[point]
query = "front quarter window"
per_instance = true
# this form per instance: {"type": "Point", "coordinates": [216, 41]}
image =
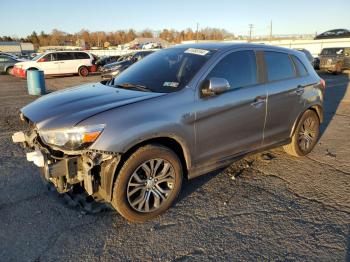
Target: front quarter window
{"type": "Point", "coordinates": [238, 68]}
{"type": "Point", "coordinates": [166, 70]}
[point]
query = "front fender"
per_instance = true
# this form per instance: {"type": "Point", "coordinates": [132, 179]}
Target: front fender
{"type": "Point", "coordinates": [130, 125]}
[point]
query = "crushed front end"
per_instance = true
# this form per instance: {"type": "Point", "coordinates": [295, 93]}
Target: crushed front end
{"type": "Point", "coordinates": [68, 163]}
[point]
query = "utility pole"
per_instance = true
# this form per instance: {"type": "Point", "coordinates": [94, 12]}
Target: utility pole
{"type": "Point", "coordinates": [271, 31]}
{"type": "Point", "coordinates": [197, 33]}
{"type": "Point", "coordinates": [250, 31]}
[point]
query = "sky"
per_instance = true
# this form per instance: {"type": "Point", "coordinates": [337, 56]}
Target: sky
{"type": "Point", "coordinates": [21, 17]}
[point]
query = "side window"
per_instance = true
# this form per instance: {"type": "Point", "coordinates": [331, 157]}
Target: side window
{"type": "Point", "coordinates": [81, 55]}
{"type": "Point", "coordinates": [65, 56]}
{"type": "Point", "coordinates": [49, 57]}
{"type": "Point", "coordinates": [299, 66]}
{"type": "Point", "coordinates": [278, 66]}
{"type": "Point", "coordinates": [238, 68]}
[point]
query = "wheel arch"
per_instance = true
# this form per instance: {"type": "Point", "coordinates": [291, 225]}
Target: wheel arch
{"type": "Point", "coordinates": [9, 66]}
{"type": "Point", "coordinates": [174, 144]}
{"type": "Point", "coordinates": [80, 66]}
{"type": "Point", "coordinates": [318, 109]}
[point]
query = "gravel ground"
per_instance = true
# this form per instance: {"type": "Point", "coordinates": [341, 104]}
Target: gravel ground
{"type": "Point", "coordinates": [268, 206]}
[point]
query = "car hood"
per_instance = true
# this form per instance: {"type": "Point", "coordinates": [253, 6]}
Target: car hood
{"type": "Point", "coordinates": [68, 107]}
{"type": "Point", "coordinates": [24, 63]}
{"type": "Point", "coordinates": [121, 63]}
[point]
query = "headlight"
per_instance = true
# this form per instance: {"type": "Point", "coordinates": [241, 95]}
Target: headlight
{"type": "Point", "coordinates": [72, 139]}
{"type": "Point", "coordinates": [114, 73]}
{"type": "Point", "coordinates": [115, 67]}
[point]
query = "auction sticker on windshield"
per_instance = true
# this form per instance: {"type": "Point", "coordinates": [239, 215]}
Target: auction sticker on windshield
{"type": "Point", "coordinates": [196, 51]}
{"type": "Point", "coordinates": [171, 84]}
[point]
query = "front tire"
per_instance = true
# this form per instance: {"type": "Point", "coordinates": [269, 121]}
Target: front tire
{"type": "Point", "coordinates": [305, 135]}
{"type": "Point", "coordinates": [9, 70]}
{"type": "Point", "coordinates": [83, 71]}
{"type": "Point", "coordinates": [148, 183]}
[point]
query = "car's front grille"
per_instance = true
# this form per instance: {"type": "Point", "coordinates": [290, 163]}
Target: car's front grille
{"type": "Point", "coordinates": [326, 62]}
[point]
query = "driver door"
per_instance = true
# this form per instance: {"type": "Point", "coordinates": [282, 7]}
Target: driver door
{"type": "Point", "coordinates": [49, 64]}
{"type": "Point", "coordinates": [232, 122]}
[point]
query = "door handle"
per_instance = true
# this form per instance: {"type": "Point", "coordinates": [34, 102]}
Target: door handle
{"type": "Point", "coordinates": [258, 101]}
{"type": "Point", "coordinates": [298, 91]}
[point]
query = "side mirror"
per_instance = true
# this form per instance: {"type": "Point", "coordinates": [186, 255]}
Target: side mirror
{"type": "Point", "coordinates": [215, 86]}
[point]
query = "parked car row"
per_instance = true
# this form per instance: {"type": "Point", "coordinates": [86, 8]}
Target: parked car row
{"type": "Point", "coordinates": [146, 46]}
{"type": "Point", "coordinates": [113, 69]}
{"type": "Point", "coordinates": [104, 60]}
{"type": "Point", "coordinates": [69, 62]}
{"type": "Point", "coordinates": [333, 60]}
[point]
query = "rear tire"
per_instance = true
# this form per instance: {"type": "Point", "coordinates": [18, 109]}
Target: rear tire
{"type": "Point", "coordinates": [305, 135]}
{"type": "Point", "coordinates": [83, 71]}
{"type": "Point", "coordinates": [147, 184]}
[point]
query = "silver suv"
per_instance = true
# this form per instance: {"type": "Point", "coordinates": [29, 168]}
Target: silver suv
{"type": "Point", "coordinates": [179, 113]}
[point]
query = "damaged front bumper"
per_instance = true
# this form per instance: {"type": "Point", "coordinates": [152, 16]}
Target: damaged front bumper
{"type": "Point", "coordinates": [92, 170]}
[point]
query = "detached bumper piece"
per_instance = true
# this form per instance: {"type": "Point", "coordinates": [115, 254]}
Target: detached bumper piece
{"type": "Point", "coordinates": [19, 72]}
{"type": "Point", "coordinates": [92, 171]}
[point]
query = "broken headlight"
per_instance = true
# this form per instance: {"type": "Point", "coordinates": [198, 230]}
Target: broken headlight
{"type": "Point", "coordinates": [73, 138]}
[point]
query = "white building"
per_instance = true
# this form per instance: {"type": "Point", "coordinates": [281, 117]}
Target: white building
{"type": "Point", "coordinates": [16, 47]}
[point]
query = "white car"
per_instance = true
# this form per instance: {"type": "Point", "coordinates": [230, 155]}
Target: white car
{"type": "Point", "coordinates": [58, 63]}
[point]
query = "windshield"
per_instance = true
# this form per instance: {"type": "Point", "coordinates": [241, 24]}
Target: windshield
{"type": "Point", "coordinates": [124, 57]}
{"type": "Point", "coordinates": [165, 71]}
{"type": "Point", "coordinates": [332, 51]}
{"type": "Point", "coordinates": [37, 57]}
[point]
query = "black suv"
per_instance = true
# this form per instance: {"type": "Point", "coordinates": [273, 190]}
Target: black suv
{"type": "Point", "coordinates": [335, 59]}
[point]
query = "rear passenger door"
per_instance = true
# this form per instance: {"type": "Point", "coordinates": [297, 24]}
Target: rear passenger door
{"type": "Point", "coordinates": [285, 95]}
{"type": "Point", "coordinates": [82, 58]}
{"type": "Point", "coordinates": [232, 122]}
{"type": "Point", "coordinates": [66, 62]}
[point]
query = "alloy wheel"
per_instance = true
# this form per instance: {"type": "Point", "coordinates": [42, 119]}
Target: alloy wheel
{"type": "Point", "coordinates": [150, 185]}
{"type": "Point", "coordinates": [307, 134]}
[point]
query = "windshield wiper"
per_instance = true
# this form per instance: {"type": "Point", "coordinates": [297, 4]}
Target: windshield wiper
{"type": "Point", "coordinates": [134, 86]}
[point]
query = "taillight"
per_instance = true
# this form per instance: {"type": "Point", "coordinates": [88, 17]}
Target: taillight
{"type": "Point", "coordinates": [323, 83]}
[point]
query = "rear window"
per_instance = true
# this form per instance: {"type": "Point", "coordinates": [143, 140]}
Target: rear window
{"type": "Point", "coordinates": [299, 66]}
{"type": "Point", "coordinates": [81, 55]}
{"type": "Point", "coordinates": [65, 56]}
{"type": "Point", "coordinates": [278, 66]}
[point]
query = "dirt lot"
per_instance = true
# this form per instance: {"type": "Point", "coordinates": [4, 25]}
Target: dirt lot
{"type": "Point", "coordinates": [268, 206]}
